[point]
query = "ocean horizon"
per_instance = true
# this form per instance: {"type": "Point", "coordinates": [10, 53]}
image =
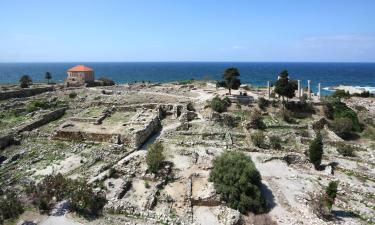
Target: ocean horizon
{"type": "Point", "coordinates": [329, 74]}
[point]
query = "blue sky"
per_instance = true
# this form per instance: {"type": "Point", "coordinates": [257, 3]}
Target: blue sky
{"type": "Point", "coordinates": [187, 30]}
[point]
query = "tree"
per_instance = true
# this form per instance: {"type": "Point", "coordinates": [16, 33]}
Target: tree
{"type": "Point", "coordinates": [342, 127]}
{"type": "Point", "coordinates": [231, 79]}
{"type": "Point", "coordinates": [25, 81]}
{"type": "Point", "coordinates": [237, 180]}
{"type": "Point", "coordinates": [316, 151]}
{"type": "Point", "coordinates": [331, 192]}
{"type": "Point", "coordinates": [155, 156]}
{"type": "Point", "coordinates": [256, 120]}
{"type": "Point", "coordinates": [285, 87]}
{"type": "Point", "coordinates": [258, 139]}
{"type": "Point", "coordinates": [48, 76]}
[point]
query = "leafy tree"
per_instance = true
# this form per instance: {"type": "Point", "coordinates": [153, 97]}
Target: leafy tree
{"type": "Point", "coordinates": [237, 180]}
{"type": "Point", "coordinates": [231, 79]}
{"type": "Point", "coordinates": [155, 156]}
{"type": "Point", "coordinates": [316, 151]}
{"type": "Point", "coordinates": [331, 192]}
{"type": "Point", "coordinates": [341, 110]}
{"type": "Point", "coordinates": [285, 87]}
{"type": "Point", "coordinates": [48, 76]}
{"type": "Point", "coordinates": [25, 81]}
{"type": "Point", "coordinates": [219, 105]}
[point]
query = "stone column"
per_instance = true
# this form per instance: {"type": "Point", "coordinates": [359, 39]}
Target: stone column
{"type": "Point", "coordinates": [299, 89]}
{"type": "Point", "coordinates": [308, 89]}
{"type": "Point", "coordinates": [269, 89]}
{"type": "Point", "coordinates": [319, 91]}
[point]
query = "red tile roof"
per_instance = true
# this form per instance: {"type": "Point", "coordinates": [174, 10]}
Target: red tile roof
{"type": "Point", "coordinates": [80, 68]}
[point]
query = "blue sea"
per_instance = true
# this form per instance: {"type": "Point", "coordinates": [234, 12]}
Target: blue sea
{"type": "Point", "coordinates": [255, 73]}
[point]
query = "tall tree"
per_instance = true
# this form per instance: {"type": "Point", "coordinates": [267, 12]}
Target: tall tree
{"type": "Point", "coordinates": [231, 79]}
{"type": "Point", "coordinates": [48, 76]}
{"type": "Point", "coordinates": [25, 81]}
{"type": "Point", "coordinates": [285, 87]}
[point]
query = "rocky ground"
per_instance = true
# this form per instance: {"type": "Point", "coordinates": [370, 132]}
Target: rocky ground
{"type": "Point", "coordinates": [192, 135]}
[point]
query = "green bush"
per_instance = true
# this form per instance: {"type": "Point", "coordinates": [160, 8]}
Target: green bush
{"type": "Point", "coordinates": [331, 192]}
{"type": "Point", "coordinates": [10, 206]}
{"type": "Point", "coordinates": [237, 180]}
{"type": "Point", "coordinates": [342, 127]}
{"type": "Point", "coordinates": [340, 110]}
{"type": "Point", "coordinates": [81, 195]}
{"type": "Point", "coordinates": [72, 95]}
{"type": "Point", "coordinates": [286, 115]}
{"type": "Point", "coordinates": [275, 142]}
{"type": "Point", "coordinates": [316, 151]}
{"type": "Point", "coordinates": [340, 94]}
{"type": "Point", "coordinates": [263, 103]}
{"type": "Point", "coordinates": [256, 121]}
{"type": "Point", "coordinates": [258, 139]}
{"type": "Point", "coordinates": [219, 105]}
{"type": "Point", "coordinates": [155, 157]}
{"type": "Point", "coordinates": [346, 150]}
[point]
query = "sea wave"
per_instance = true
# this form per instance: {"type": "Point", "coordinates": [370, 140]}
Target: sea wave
{"type": "Point", "coordinates": [371, 89]}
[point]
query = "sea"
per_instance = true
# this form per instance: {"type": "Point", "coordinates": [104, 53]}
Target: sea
{"type": "Point", "coordinates": [253, 73]}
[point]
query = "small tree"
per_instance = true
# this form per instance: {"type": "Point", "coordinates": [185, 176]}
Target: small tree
{"type": "Point", "coordinates": [285, 87]}
{"type": "Point", "coordinates": [342, 127]}
{"type": "Point", "coordinates": [316, 151]}
{"type": "Point", "coordinates": [263, 103]}
{"type": "Point", "coordinates": [275, 142]}
{"type": "Point", "coordinates": [155, 156]}
{"type": "Point", "coordinates": [219, 105]}
{"type": "Point", "coordinates": [25, 81]}
{"type": "Point", "coordinates": [48, 76]}
{"type": "Point", "coordinates": [237, 180]}
{"type": "Point", "coordinates": [256, 120]}
{"type": "Point", "coordinates": [231, 79]}
{"type": "Point", "coordinates": [331, 192]}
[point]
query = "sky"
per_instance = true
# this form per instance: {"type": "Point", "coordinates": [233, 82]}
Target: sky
{"type": "Point", "coordinates": [187, 30]}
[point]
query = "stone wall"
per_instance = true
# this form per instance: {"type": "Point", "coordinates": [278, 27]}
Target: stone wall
{"type": "Point", "coordinates": [44, 119]}
{"type": "Point", "coordinates": [141, 135]}
{"type": "Point", "coordinates": [24, 92]}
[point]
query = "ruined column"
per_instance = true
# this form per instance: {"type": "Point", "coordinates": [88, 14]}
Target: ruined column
{"type": "Point", "coordinates": [319, 91]}
{"type": "Point", "coordinates": [269, 89]}
{"type": "Point", "coordinates": [308, 89]}
{"type": "Point", "coordinates": [299, 89]}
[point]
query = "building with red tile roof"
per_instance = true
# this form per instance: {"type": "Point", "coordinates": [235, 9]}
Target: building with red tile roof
{"type": "Point", "coordinates": [80, 75]}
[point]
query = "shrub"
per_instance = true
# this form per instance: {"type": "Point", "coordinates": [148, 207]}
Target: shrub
{"type": "Point", "coordinates": [369, 133]}
{"type": "Point", "coordinates": [73, 95]}
{"type": "Point", "coordinates": [81, 195]}
{"type": "Point", "coordinates": [342, 127]}
{"type": "Point", "coordinates": [346, 150]}
{"type": "Point", "coordinates": [340, 110]}
{"type": "Point", "coordinates": [106, 81]}
{"type": "Point", "coordinates": [341, 94]}
{"type": "Point", "coordinates": [219, 105]}
{"type": "Point", "coordinates": [275, 142]}
{"type": "Point", "coordinates": [365, 94]}
{"type": "Point", "coordinates": [331, 192]}
{"type": "Point", "coordinates": [184, 82]}
{"type": "Point", "coordinates": [258, 139]}
{"type": "Point", "coordinates": [316, 151]}
{"type": "Point", "coordinates": [302, 107]}
{"type": "Point", "coordinates": [25, 81]}
{"type": "Point", "coordinates": [263, 103]}
{"type": "Point", "coordinates": [155, 157]}
{"type": "Point", "coordinates": [10, 206]}
{"type": "Point", "coordinates": [256, 121]}
{"type": "Point", "coordinates": [237, 180]}
{"type": "Point", "coordinates": [35, 105]}
{"type": "Point", "coordinates": [286, 115]}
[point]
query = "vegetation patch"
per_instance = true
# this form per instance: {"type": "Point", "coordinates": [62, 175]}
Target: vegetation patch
{"type": "Point", "coordinates": [237, 180]}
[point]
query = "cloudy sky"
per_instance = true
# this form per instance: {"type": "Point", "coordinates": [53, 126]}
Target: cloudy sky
{"type": "Point", "coordinates": [191, 30]}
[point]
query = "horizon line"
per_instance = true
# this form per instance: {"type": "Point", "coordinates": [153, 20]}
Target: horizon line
{"type": "Point", "coordinates": [187, 62]}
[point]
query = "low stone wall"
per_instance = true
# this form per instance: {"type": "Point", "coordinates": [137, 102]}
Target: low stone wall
{"type": "Point", "coordinates": [85, 136]}
{"type": "Point", "coordinates": [24, 92]}
{"type": "Point", "coordinates": [46, 118]}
